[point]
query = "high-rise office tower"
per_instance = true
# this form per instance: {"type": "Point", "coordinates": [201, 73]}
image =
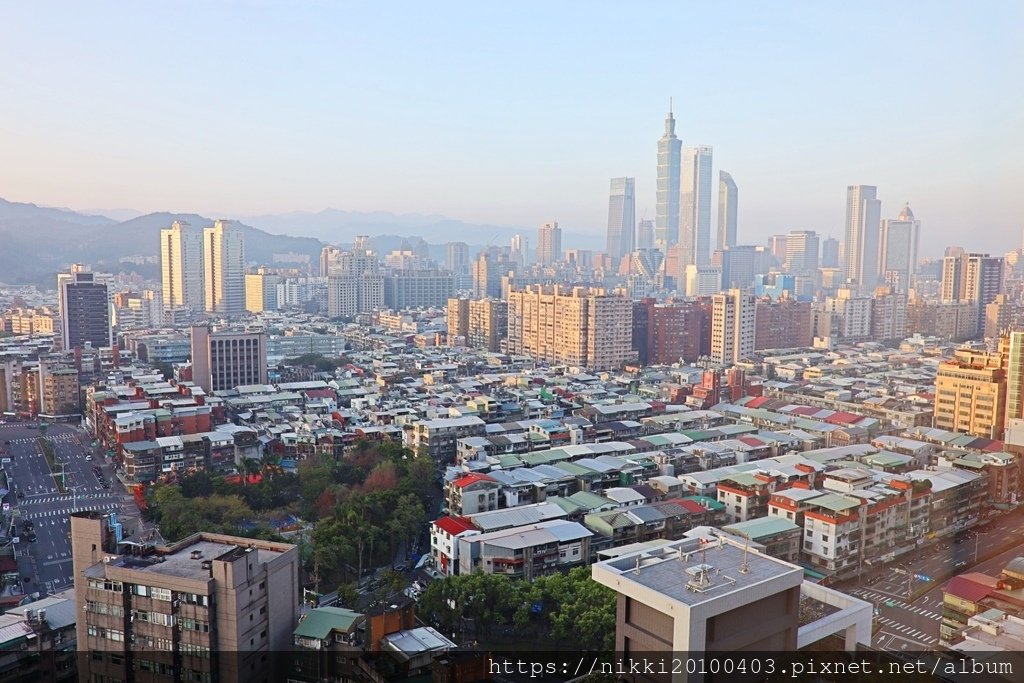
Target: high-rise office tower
{"type": "Point", "coordinates": [520, 252]}
{"type": "Point", "coordinates": [897, 254]}
{"type": "Point", "coordinates": [645, 234]}
{"type": "Point", "coordinates": [802, 251]}
{"type": "Point", "coordinates": [621, 218]}
{"type": "Point", "coordinates": [739, 264]}
{"type": "Point", "coordinates": [666, 217]}
{"type": "Point", "coordinates": [728, 201]}
{"type": "Point", "coordinates": [863, 215]}
{"type": "Point", "coordinates": [181, 266]}
{"type": "Point", "coordinates": [83, 298]}
{"type": "Point", "coordinates": [695, 204]}
{"type": "Point", "coordinates": [829, 253]}
{"type": "Point", "coordinates": [224, 261]}
{"type": "Point", "coordinates": [226, 359]}
{"type": "Point", "coordinates": [732, 326]}
{"type": "Point", "coordinates": [549, 244]}
{"type": "Point", "coordinates": [778, 249]}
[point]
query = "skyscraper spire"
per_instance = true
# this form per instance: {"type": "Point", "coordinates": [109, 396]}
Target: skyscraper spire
{"type": "Point", "coordinates": [670, 122]}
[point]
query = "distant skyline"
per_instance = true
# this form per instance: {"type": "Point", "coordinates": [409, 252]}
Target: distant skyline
{"type": "Point", "coordinates": [518, 114]}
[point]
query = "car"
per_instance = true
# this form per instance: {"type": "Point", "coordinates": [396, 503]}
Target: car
{"type": "Point", "coordinates": [961, 563]}
{"type": "Point", "coordinates": [7, 506]}
{"type": "Point", "coordinates": [88, 458]}
{"type": "Point", "coordinates": [20, 494]}
{"type": "Point", "coordinates": [106, 484]}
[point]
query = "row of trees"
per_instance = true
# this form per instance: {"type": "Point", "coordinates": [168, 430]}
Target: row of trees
{"type": "Point", "coordinates": [562, 609]}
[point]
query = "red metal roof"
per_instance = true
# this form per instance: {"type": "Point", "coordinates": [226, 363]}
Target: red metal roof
{"type": "Point", "coordinates": [757, 402]}
{"type": "Point", "coordinates": [752, 441]}
{"type": "Point", "coordinates": [844, 418]}
{"type": "Point", "coordinates": [973, 586]}
{"type": "Point", "coordinates": [803, 410]}
{"type": "Point", "coordinates": [691, 506]}
{"type": "Point", "coordinates": [454, 525]}
{"type": "Point", "coordinates": [472, 479]}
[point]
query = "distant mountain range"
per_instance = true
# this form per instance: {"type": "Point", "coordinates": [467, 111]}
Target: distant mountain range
{"type": "Point", "coordinates": [36, 242]}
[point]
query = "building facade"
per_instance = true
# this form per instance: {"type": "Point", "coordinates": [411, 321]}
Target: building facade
{"type": "Point", "coordinates": [223, 360]}
{"type": "Point", "coordinates": [181, 267]}
{"type": "Point", "coordinates": [224, 268]}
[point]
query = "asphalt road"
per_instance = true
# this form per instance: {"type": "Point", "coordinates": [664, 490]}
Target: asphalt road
{"type": "Point", "coordinates": [915, 625]}
{"type": "Point", "coordinates": [48, 560]}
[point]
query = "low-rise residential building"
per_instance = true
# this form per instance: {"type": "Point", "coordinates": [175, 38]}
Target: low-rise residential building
{"type": "Point", "coordinates": [527, 551]}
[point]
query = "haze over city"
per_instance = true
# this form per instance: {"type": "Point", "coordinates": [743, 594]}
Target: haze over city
{"type": "Point", "coordinates": [518, 115]}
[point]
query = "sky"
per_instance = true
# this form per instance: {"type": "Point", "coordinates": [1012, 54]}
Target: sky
{"type": "Point", "coordinates": [518, 113]}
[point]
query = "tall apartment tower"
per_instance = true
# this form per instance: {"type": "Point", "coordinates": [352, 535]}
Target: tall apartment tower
{"type": "Point", "coordinates": [732, 326]}
{"type": "Point", "coordinates": [970, 393]}
{"type": "Point", "coordinates": [802, 251]}
{"type": "Point", "coordinates": [972, 278]}
{"type": "Point", "coordinates": [329, 256]}
{"type": "Point", "coordinates": [897, 253]}
{"type": "Point", "coordinates": [728, 202]}
{"type": "Point", "coordinates": [207, 608]}
{"type": "Point", "coordinates": [666, 217]}
{"type": "Point", "coordinates": [457, 315]}
{"type": "Point", "coordinates": [181, 267]}
{"type": "Point", "coordinates": [458, 257]}
{"type": "Point", "coordinates": [83, 298]}
{"type": "Point", "coordinates": [261, 291]}
{"type": "Point", "coordinates": [578, 327]}
{"type": "Point", "coordinates": [488, 324]}
{"type": "Point", "coordinates": [863, 216]}
{"type": "Point", "coordinates": [695, 204]}
{"type": "Point", "coordinates": [1012, 346]}
{"type": "Point", "coordinates": [519, 252]}
{"type": "Point", "coordinates": [227, 359]}
{"type": "Point", "coordinates": [549, 244]}
{"type": "Point", "coordinates": [621, 218]}
{"type": "Point", "coordinates": [224, 261]}
{"type": "Point", "coordinates": [355, 286]}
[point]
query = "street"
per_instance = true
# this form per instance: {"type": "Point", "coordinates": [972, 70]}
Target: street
{"type": "Point", "coordinates": [915, 625]}
{"type": "Point", "coordinates": [36, 498]}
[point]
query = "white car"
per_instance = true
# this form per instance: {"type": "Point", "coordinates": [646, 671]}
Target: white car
{"type": "Point", "coordinates": [89, 458]}
{"type": "Point", "coordinates": [7, 506]}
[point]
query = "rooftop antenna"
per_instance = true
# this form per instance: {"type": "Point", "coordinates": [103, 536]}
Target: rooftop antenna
{"type": "Point", "coordinates": [745, 567]}
{"type": "Point", "coordinates": [637, 569]}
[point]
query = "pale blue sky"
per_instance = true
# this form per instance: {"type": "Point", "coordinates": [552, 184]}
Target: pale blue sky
{"type": "Point", "coordinates": [517, 113]}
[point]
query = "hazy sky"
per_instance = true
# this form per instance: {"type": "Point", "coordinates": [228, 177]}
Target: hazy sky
{"type": "Point", "coordinates": [518, 112]}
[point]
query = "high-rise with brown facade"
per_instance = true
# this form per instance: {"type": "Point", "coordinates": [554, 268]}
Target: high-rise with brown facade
{"type": "Point", "coordinates": [668, 333]}
{"type": "Point", "coordinates": [782, 324]}
{"type": "Point", "coordinates": [207, 608]}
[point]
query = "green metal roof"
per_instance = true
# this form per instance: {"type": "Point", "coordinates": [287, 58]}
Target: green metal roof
{"type": "Point", "coordinates": [836, 502]}
{"type": "Point", "coordinates": [709, 503]}
{"type": "Point", "coordinates": [761, 527]}
{"type": "Point", "coordinates": [321, 621]}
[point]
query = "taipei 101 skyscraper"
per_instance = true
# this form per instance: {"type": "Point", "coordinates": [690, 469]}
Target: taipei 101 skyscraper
{"type": "Point", "coordinates": [666, 218]}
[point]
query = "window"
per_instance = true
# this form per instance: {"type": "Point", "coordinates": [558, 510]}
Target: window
{"type": "Point", "coordinates": [141, 590]}
{"type": "Point", "coordinates": [160, 594]}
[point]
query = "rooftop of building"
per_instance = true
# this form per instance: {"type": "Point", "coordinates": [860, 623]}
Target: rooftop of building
{"type": "Point", "coordinates": [694, 571]}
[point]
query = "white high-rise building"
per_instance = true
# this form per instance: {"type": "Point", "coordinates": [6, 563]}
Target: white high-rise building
{"type": "Point", "coordinates": [728, 201]}
{"type": "Point", "coordinates": [802, 248]}
{"type": "Point", "coordinates": [897, 254]}
{"type": "Point", "coordinates": [695, 205]}
{"type": "Point", "coordinates": [520, 252]}
{"type": "Point", "coordinates": [224, 262]}
{"type": "Point", "coordinates": [863, 217]}
{"type": "Point", "coordinates": [702, 280]}
{"type": "Point", "coordinates": [621, 218]}
{"type": "Point", "coordinates": [732, 326]}
{"type": "Point", "coordinates": [181, 267]}
{"type": "Point", "coordinates": [549, 244]}
{"type": "Point", "coordinates": [666, 217]}
{"type": "Point", "coordinates": [355, 286]}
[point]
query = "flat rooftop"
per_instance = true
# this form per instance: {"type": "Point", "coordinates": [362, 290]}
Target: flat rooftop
{"type": "Point", "coordinates": [181, 563]}
{"type": "Point", "coordinates": [674, 570]}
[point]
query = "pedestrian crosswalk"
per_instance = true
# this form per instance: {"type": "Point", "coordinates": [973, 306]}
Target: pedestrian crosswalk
{"type": "Point", "coordinates": [63, 438]}
{"type": "Point", "coordinates": [64, 512]}
{"type": "Point", "coordinates": [906, 630]}
{"type": "Point", "coordinates": [881, 597]}
{"type": "Point", "coordinates": [39, 499]}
